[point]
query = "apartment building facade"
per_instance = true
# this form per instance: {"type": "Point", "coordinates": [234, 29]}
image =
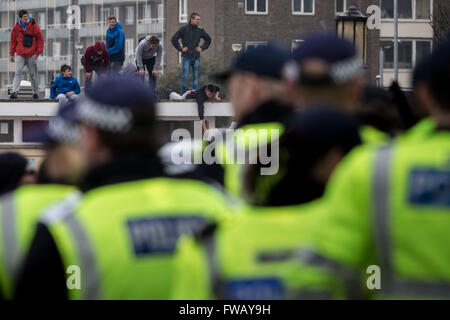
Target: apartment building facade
{"type": "Point", "coordinates": [245, 22]}
{"type": "Point", "coordinates": [255, 22]}
{"type": "Point", "coordinates": [416, 36]}
{"type": "Point", "coordinates": [62, 45]}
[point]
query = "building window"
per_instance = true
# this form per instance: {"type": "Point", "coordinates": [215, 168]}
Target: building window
{"type": "Point", "coordinates": [57, 17]}
{"type": "Point", "coordinates": [423, 9]}
{"type": "Point", "coordinates": [182, 14]}
{"type": "Point", "coordinates": [56, 49]}
{"type": "Point", "coordinates": [256, 6]}
{"type": "Point", "coordinates": [409, 52]}
{"type": "Point", "coordinates": [303, 6]}
{"type": "Point", "coordinates": [116, 11]}
{"type": "Point", "coordinates": [68, 46]}
{"type": "Point", "coordinates": [42, 83]}
{"type": "Point", "coordinates": [41, 20]}
{"type": "Point", "coordinates": [129, 47]}
{"type": "Point", "coordinates": [82, 14]}
{"type": "Point", "coordinates": [160, 11]}
{"type": "Point", "coordinates": [407, 9]}
{"type": "Point", "coordinates": [104, 14]}
{"type": "Point", "coordinates": [255, 44]}
{"type": "Point", "coordinates": [147, 11]}
{"type": "Point", "coordinates": [6, 130]}
{"type": "Point", "coordinates": [129, 17]}
{"type": "Point", "coordinates": [29, 127]}
{"type": "Point", "coordinates": [341, 6]}
{"type": "Point", "coordinates": [423, 48]}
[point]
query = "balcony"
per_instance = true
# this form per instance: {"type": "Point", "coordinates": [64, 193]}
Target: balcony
{"type": "Point", "coordinates": [41, 64]}
{"type": "Point", "coordinates": [92, 29]}
{"type": "Point", "coordinates": [5, 35]}
{"type": "Point", "coordinates": [4, 5]}
{"type": "Point", "coordinates": [4, 64]}
{"type": "Point", "coordinates": [57, 31]}
{"type": "Point", "coordinates": [90, 2]}
{"type": "Point", "coordinates": [148, 26]}
{"type": "Point", "coordinates": [31, 4]}
{"type": "Point", "coordinates": [55, 63]}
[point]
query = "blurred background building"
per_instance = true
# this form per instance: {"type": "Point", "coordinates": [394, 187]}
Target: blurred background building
{"type": "Point", "coordinates": [242, 23]}
{"type": "Point", "coordinates": [232, 24]}
{"type": "Point", "coordinates": [416, 34]}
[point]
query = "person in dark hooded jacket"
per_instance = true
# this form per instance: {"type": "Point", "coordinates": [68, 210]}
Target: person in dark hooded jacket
{"type": "Point", "coordinates": [14, 172]}
{"type": "Point", "coordinates": [115, 43]}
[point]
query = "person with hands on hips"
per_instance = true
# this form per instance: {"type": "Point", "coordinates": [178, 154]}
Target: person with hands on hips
{"type": "Point", "coordinates": [190, 35]}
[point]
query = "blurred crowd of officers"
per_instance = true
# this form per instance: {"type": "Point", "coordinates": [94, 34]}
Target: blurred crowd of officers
{"type": "Point", "coordinates": [363, 184]}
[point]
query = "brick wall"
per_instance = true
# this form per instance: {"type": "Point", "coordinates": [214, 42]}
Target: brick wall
{"type": "Point", "coordinates": [227, 23]}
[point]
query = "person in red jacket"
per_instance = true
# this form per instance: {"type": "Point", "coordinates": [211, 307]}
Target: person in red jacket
{"type": "Point", "coordinates": [27, 43]}
{"type": "Point", "coordinates": [96, 58]}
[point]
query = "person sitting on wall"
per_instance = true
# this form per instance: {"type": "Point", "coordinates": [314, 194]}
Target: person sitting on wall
{"type": "Point", "coordinates": [208, 93]}
{"type": "Point", "coordinates": [65, 87]}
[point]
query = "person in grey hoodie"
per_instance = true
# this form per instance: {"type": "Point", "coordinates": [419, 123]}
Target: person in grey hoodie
{"type": "Point", "coordinates": [148, 56]}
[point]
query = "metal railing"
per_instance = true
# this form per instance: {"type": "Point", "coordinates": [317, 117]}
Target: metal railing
{"type": "Point", "coordinates": [57, 31]}
{"type": "Point", "coordinates": [4, 64]}
{"type": "Point", "coordinates": [92, 29]}
{"type": "Point", "coordinates": [146, 26]}
{"type": "Point", "coordinates": [5, 34]}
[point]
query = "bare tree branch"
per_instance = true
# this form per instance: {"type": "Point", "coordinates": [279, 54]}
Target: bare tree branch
{"type": "Point", "coordinates": [440, 21]}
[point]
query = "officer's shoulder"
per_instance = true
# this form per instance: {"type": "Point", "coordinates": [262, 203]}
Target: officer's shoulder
{"type": "Point", "coordinates": [61, 210]}
{"type": "Point", "coordinates": [200, 27]}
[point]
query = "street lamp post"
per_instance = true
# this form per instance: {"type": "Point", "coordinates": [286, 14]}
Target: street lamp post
{"type": "Point", "coordinates": [78, 47]}
{"type": "Point", "coordinates": [382, 64]}
{"type": "Point", "coordinates": [295, 44]}
{"type": "Point", "coordinates": [236, 47]}
{"type": "Point", "coordinates": [396, 40]}
{"type": "Point", "coordinates": [352, 26]}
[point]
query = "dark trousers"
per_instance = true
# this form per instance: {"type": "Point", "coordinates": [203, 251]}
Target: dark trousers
{"type": "Point", "coordinates": [88, 83]}
{"type": "Point", "coordinates": [149, 64]}
{"type": "Point", "coordinates": [115, 67]}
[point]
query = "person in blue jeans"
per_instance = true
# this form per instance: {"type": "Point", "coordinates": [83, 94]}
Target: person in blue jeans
{"type": "Point", "coordinates": [190, 35]}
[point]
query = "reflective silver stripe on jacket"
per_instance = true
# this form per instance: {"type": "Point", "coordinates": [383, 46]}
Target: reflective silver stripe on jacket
{"type": "Point", "coordinates": [11, 255]}
{"type": "Point", "coordinates": [64, 212]}
{"type": "Point", "coordinates": [216, 281]}
{"type": "Point", "coordinates": [381, 207]}
{"type": "Point", "coordinates": [351, 278]}
{"type": "Point", "coordinates": [90, 284]}
{"type": "Point", "coordinates": [381, 191]}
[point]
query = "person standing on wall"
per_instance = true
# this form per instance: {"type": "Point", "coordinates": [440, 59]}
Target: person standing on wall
{"type": "Point", "coordinates": [115, 40]}
{"type": "Point", "coordinates": [190, 35]}
{"type": "Point", "coordinates": [27, 42]}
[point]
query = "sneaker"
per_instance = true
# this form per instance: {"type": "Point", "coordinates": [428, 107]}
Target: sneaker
{"type": "Point", "coordinates": [168, 93]}
{"type": "Point", "coordinates": [35, 96]}
{"type": "Point", "coordinates": [13, 95]}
